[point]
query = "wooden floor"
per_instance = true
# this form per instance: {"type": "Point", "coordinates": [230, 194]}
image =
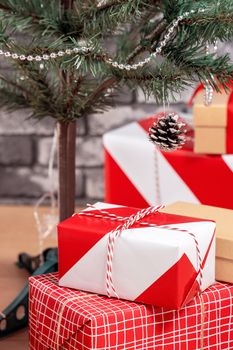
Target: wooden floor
{"type": "Point", "coordinates": [17, 234]}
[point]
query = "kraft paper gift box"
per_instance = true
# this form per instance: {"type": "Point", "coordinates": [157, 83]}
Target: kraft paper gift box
{"type": "Point", "coordinates": [67, 319]}
{"type": "Point", "coordinates": [224, 233]}
{"type": "Point", "coordinates": [213, 124]}
{"type": "Point", "coordinates": [160, 259]}
{"type": "Point", "coordinates": [137, 174]}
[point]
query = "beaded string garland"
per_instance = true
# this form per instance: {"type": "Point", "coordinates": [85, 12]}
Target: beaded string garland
{"type": "Point", "coordinates": [208, 88]}
{"type": "Point", "coordinates": [88, 49]}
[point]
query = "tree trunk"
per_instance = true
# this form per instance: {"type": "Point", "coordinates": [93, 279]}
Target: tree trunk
{"type": "Point", "coordinates": [66, 158]}
{"type": "Point", "coordinates": [66, 169]}
{"type": "Point", "coordinates": [71, 148]}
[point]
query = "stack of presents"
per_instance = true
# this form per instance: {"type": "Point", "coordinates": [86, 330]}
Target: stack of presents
{"type": "Point", "coordinates": [155, 278]}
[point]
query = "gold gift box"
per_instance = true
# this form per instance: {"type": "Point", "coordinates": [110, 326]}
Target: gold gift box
{"type": "Point", "coordinates": [224, 233]}
{"type": "Point", "coordinates": [210, 123]}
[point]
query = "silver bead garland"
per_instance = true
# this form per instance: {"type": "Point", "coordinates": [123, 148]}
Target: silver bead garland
{"type": "Point", "coordinates": [208, 96]}
{"type": "Point", "coordinates": [114, 64]}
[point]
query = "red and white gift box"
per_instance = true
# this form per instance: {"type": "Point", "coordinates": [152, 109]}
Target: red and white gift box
{"type": "Point", "coordinates": [67, 319]}
{"type": "Point", "coordinates": [161, 259]}
{"type": "Point", "coordinates": [138, 174]}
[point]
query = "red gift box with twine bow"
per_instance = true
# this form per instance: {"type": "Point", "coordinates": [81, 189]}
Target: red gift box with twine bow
{"type": "Point", "coordinates": [138, 174]}
{"type": "Point", "coordinates": [67, 319]}
{"type": "Point", "coordinates": [145, 256]}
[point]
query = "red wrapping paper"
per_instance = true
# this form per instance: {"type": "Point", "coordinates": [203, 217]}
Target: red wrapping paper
{"type": "Point", "coordinates": [229, 129]}
{"type": "Point", "coordinates": [157, 265]}
{"type": "Point", "coordinates": [137, 174]}
{"type": "Point", "coordinates": [92, 322]}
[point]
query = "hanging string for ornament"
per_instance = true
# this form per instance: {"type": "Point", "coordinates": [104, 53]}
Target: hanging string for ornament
{"type": "Point", "coordinates": [208, 95]}
{"type": "Point", "coordinates": [157, 182]}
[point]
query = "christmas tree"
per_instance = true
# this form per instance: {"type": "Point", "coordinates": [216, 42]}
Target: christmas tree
{"type": "Point", "coordinates": [65, 67]}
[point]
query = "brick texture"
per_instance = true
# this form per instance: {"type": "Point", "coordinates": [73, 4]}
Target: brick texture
{"type": "Point", "coordinates": [100, 123]}
{"type": "Point", "coordinates": [17, 123]}
{"type": "Point", "coordinates": [94, 183]}
{"type": "Point", "coordinates": [25, 147]}
{"type": "Point", "coordinates": [16, 150]}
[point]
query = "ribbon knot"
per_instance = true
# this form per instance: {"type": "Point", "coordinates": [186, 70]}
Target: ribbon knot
{"type": "Point", "coordinates": [113, 235]}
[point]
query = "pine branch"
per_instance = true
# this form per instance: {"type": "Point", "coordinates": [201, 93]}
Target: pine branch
{"type": "Point", "coordinates": [150, 38]}
{"type": "Point", "coordinates": [12, 96]}
{"type": "Point", "coordinates": [27, 15]}
{"type": "Point", "coordinates": [110, 4]}
{"type": "Point", "coordinates": [5, 8]}
{"type": "Point", "coordinates": [10, 100]}
{"type": "Point", "coordinates": [111, 18]}
{"type": "Point", "coordinates": [222, 18]}
{"type": "Point", "coordinates": [11, 10]}
{"type": "Point", "coordinates": [14, 84]}
{"type": "Point", "coordinates": [106, 84]}
{"type": "Point", "coordinates": [73, 94]}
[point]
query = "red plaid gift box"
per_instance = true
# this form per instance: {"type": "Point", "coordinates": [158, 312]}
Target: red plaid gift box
{"type": "Point", "coordinates": [66, 319]}
{"type": "Point", "coordinates": [144, 256]}
{"type": "Point", "coordinates": [138, 174]}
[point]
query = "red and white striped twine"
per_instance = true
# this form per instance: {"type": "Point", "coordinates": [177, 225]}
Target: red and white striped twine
{"type": "Point", "coordinates": [128, 222]}
{"type": "Point", "coordinates": [2, 315]}
{"type": "Point", "coordinates": [111, 242]}
{"type": "Point", "coordinates": [157, 177]}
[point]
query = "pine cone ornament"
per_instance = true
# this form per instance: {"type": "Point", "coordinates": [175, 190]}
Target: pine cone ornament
{"type": "Point", "coordinates": [168, 132]}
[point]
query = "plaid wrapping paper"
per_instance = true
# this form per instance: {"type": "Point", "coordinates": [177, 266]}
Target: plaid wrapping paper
{"type": "Point", "coordinates": [63, 318]}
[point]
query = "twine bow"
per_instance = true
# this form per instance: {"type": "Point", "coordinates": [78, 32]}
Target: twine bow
{"type": "Point", "coordinates": [113, 235]}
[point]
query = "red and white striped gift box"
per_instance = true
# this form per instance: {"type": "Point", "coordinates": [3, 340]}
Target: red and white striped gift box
{"type": "Point", "coordinates": [66, 319]}
{"type": "Point", "coordinates": [137, 174]}
{"type": "Point", "coordinates": [160, 259]}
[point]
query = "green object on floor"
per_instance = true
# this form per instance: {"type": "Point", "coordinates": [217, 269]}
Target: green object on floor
{"type": "Point", "coordinates": [15, 316]}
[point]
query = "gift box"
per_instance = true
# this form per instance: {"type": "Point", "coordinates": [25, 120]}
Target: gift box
{"type": "Point", "coordinates": [138, 174]}
{"type": "Point", "coordinates": [213, 124]}
{"type": "Point", "coordinates": [145, 256]}
{"type": "Point", "coordinates": [224, 233]}
{"type": "Point", "coordinates": [66, 319]}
